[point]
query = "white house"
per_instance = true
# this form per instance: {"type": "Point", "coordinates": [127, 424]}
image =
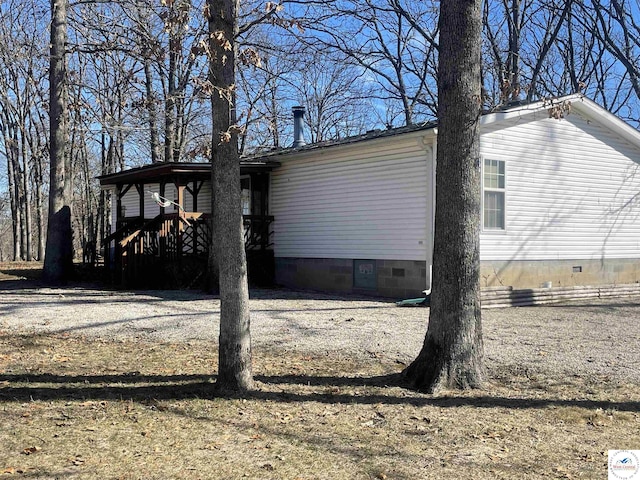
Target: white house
{"type": "Point", "coordinates": [561, 203]}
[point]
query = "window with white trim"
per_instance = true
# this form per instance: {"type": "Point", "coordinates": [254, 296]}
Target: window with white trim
{"type": "Point", "coordinates": [494, 194]}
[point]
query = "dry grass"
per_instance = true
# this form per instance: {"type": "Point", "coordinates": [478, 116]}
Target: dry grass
{"type": "Point", "coordinates": [73, 407]}
{"type": "Point", "coordinates": [20, 270]}
{"type": "Point", "coordinates": [16, 272]}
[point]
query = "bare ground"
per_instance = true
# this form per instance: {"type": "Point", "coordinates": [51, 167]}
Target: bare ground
{"type": "Point", "coordinates": [102, 384]}
{"type": "Point", "coordinates": [595, 337]}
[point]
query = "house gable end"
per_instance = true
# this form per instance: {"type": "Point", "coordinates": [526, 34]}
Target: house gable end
{"type": "Point", "coordinates": [573, 193]}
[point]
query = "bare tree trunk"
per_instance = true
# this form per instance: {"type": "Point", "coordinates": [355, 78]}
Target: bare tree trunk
{"type": "Point", "coordinates": [170, 103]}
{"type": "Point", "coordinates": [19, 176]}
{"type": "Point", "coordinates": [511, 90]}
{"type": "Point", "coordinates": [13, 193]}
{"type": "Point", "coordinates": [26, 204]}
{"type": "Point", "coordinates": [273, 100]}
{"type": "Point", "coordinates": [17, 186]}
{"type": "Point", "coordinates": [102, 214]}
{"type": "Point", "coordinates": [39, 209]}
{"type": "Point", "coordinates": [151, 109]}
{"type": "Point", "coordinates": [58, 261]}
{"type": "Point", "coordinates": [37, 150]}
{"type": "Point", "coordinates": [452, 354]}
{"type": "Point", "coordinates": [104, 208]}
{"type": "Point", "coordinates": [234, 371]}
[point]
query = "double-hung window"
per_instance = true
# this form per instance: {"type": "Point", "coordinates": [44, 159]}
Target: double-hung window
{"type": "Point", "coordinates": [494, 195]}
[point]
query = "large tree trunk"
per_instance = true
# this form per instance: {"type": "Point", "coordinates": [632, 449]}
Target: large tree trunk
{"type": "Point", "coordinates": [452, 354]}
{"type": "Point", "coordinates": [58, 261]}
{"type": "Point", "coordinates": [234, 370]}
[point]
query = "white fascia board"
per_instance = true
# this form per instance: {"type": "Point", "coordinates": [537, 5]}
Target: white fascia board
{"type": "Point", "coordinates": [528, 109]}
{"type": "Point", "coordinates": [581, 105]}
{"type": "Point", "coordinates": [595, 112]}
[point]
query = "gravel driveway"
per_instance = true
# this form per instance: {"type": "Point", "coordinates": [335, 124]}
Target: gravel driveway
{"type": "Point", "coordinates": [595, 337]}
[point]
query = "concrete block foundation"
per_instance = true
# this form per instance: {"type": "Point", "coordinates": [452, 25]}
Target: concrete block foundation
{"type": "Point", "coordinates": [398, 279]}
{"type": "Point", "coordinates": [559, 273]}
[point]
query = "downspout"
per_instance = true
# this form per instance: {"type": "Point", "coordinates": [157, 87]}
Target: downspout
{"type": "Point", "coordinates": [432, 148]}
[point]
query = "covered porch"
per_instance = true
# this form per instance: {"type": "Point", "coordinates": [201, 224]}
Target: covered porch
{"type": "Point", "coordinates": [161, 224]}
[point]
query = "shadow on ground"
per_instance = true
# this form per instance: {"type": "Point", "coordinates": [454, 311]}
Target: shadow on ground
{"type": "Point", "coordinates": [145, 388]}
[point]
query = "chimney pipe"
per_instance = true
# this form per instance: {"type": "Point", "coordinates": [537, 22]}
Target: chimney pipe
{"type": "Point", "coordinates": [298, 134]}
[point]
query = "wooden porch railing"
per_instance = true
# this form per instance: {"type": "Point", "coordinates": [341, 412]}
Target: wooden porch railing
{"type": "Point", "coordinates": [140, 248]}
{"type": "Point", "coordinates": [257, 232]}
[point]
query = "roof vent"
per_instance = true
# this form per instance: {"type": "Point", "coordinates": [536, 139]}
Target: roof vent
{"type": "Point", "coordinates": [298, 122]}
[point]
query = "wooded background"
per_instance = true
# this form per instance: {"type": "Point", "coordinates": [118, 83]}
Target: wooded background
{"type": "Point", "coordinates": [139, 89]}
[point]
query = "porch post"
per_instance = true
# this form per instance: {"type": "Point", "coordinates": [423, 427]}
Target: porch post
{"type": "Point", "coordinates": [194, 194]}
{"type": "Point", "coordinates": [180, 225]}
{"type": "Point", "coordinates": [118, 205]}
{"type": "Point", "coordinates": [163, 225]}
{"type": "Point", "coordinates": [140, 189]}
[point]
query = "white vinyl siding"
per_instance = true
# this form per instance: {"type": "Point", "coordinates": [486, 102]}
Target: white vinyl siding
{"type": "Point", "coordinates": [131, 201]}
{"type": "Point", "coordinates": [204, 199]}
{"type": "Point", "coordinates": [573, 191]}
{"type": "Point", "coordinates": [360, 202]}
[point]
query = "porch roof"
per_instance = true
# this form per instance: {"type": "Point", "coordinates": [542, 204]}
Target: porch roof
{"type": "Point", "coordinates": [172, 171]}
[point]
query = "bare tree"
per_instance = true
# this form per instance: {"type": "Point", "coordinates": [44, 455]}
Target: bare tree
{"type": "Point", "coordinates": [22, 132]}
{"type": "Point", "coordinates": [58, 261]}
{"type": "Point", "coordinates": [393, 41]}
{"type": "Point", "coordinates": [521, 36]}
{"type": "Point", "coordinates": [234, 359]}
{"type": "Point", "coordinates": [335, 96]}
{"type": "Point", "coordinates": [614, 75]}
{"type": "Point", "coordinates": [452, 353]}
{"type": "Point", "coordinates": [621, 35]}
{"type": "Point", "coordinates": [262, 98]}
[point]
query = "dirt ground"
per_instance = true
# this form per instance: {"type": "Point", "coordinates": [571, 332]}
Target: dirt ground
{"type": "Point", "coordinates": [581, 338]}
{"type": "Point", "coordinates": [105, 384]}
